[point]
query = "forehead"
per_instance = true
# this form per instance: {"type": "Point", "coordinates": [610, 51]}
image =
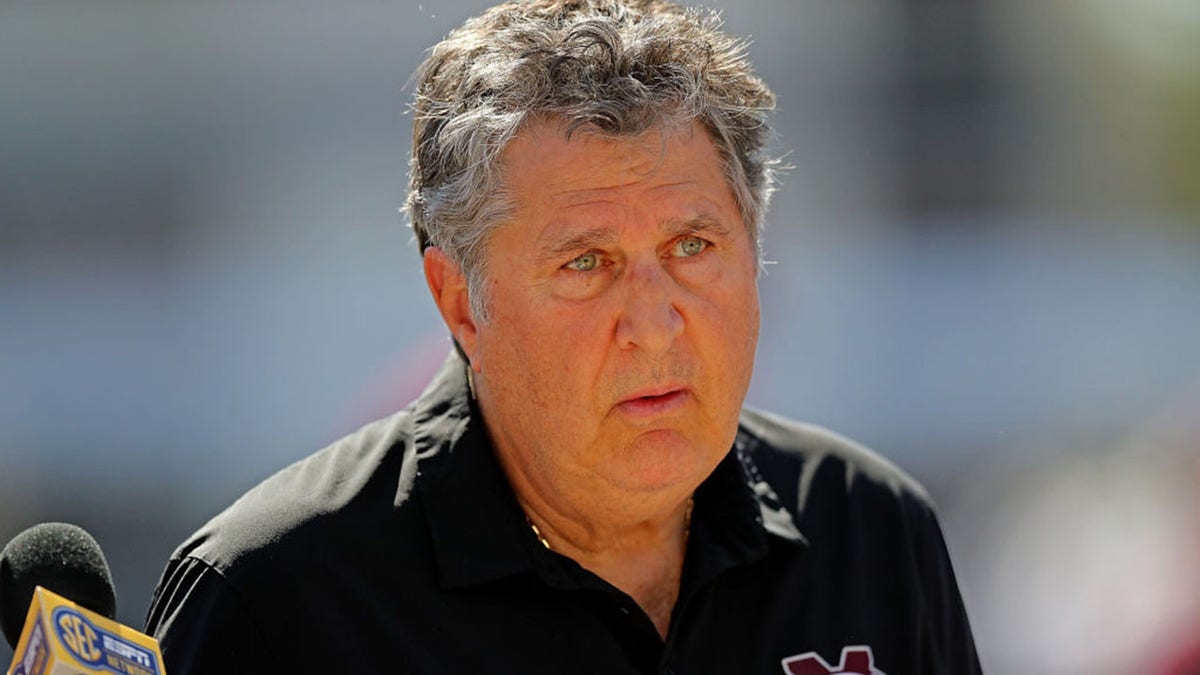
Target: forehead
{"type": "Point", "coordinates": [546, 169]}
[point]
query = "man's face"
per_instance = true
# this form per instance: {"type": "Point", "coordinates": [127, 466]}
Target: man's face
{"type": "Point", "coordinates": [623, 313]}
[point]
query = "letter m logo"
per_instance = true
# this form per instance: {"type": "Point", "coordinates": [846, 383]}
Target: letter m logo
{"type": "Point", "coordinates": [856, 660]}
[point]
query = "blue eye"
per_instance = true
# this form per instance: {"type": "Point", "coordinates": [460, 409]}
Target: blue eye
{"type": "Point", "coordinates": [585, 263]}
{"type": "Point", "coordinates": [688, 247]}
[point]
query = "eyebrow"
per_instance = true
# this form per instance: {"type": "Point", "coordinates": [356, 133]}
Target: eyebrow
{"type": "Point", "coordinates": [703, 223]}
{"type": "Point", "coordinates": [598, 237]}
{"type": "Point", "coordinates": [588, 239]}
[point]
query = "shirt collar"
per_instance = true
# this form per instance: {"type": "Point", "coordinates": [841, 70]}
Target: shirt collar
{"type": "Point", "coordinates": [737, 518]}
{"type": "Point", "coordinates": [772, 515]}
{"type": "Point", "coordinates": [480, 533]}
{"type": "Point", "coordinates": [477, 527]}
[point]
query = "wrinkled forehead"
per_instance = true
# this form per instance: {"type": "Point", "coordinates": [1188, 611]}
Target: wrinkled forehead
{"type": "Point", "coordinates": [546, 156]}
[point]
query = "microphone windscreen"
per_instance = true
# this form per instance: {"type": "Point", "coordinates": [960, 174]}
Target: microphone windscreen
{"type": "Point", "coordinates": [61, 557]}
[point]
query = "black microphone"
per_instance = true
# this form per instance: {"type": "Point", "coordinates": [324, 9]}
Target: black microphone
{"type": "Point", "coordinates": [60, 557]}
{"type": "Point", "coordinates": [58, 608]}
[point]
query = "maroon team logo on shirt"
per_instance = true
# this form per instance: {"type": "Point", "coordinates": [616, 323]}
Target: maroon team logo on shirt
{"type": "Point", "coordinates": [855, 661]}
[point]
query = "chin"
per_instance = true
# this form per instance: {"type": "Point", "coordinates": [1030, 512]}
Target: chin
{"type": "Point", "coordinates": [662, 460]}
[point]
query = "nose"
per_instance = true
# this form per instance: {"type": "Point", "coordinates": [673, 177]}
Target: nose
{"type": "Point", "coordinates": [650, 319]}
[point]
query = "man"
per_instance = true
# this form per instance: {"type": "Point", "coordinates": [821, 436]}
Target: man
{"type": "Point", "coordinates": [579, 490]}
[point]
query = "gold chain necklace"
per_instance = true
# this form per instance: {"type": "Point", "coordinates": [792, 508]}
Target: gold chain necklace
{"type": "Point", "coordinates": [687, 525]}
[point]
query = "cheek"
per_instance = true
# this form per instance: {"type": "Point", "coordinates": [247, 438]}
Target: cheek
{"type": "Point", "coordinates": [732, 324]}
{"type": "Point", "coordinates": [543, 356]}
{"type": "Point", "coordinates": [753, 318]}
{"type": "Point", "coordinates": [729, 289]}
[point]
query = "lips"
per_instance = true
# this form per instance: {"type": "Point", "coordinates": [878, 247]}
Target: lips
{"type": "Point", "coordinates": [656, 401]}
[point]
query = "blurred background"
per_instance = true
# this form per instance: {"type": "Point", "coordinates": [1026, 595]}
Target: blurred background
{"type": "Point", "coordinates": [987, 267]}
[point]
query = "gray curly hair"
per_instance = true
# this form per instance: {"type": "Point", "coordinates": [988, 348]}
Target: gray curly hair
{"type": "Point", "coordinates": [615, 67]}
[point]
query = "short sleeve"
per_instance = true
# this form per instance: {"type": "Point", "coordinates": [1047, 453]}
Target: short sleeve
{"type": "Point", "coordinates": [949, 645]}
{"type": "Point", "coordinates": [201, 624]}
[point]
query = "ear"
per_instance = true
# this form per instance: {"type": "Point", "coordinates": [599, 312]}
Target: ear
{"type": "Point", "coordinates": [449, 289]}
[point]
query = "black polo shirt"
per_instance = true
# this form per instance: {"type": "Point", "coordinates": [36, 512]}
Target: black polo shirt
{"type": "Point", "coordinates": [402, 550]}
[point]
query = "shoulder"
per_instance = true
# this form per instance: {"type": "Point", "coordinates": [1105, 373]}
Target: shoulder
{"type": "Point", "coordinates": [345, 510]}
{"type": "Point", "coordinates": [316, 503]}
{"type": "Point", "coordinates": [874, 542]}
{"type": "Point", "coordinates": [281, 548]}
{"type": "Point", "coordinates": [822, 476]}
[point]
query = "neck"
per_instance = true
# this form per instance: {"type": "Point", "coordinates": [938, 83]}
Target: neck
{"type": "Point", "coordinates": [641, 556]}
